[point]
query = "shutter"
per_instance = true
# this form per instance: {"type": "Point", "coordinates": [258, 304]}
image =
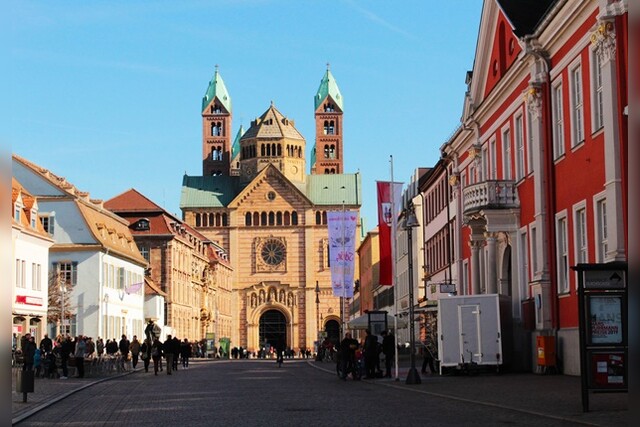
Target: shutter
{"type": "Point", "coordinates": [74, 273]}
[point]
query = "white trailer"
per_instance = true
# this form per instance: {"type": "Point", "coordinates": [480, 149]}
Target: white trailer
{"type": "Point", "coordinates": [470, 331]}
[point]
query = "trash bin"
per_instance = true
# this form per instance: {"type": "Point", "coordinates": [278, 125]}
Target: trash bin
{"type": "Point", "coordinates": [25, 381]}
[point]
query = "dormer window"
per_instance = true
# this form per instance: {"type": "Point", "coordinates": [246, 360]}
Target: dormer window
{"type": "Point", "coordinates": [48, 223]}
{"type": "Point", "coordinates": [142, 225]}
{"type": "Point", "coordinates": [16, 213]}
{"type": "Point", "coordinates": [34, 215]}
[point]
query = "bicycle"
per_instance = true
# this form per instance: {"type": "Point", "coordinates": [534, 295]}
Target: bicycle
{"type": "Point", "coordinates": [353, 368]}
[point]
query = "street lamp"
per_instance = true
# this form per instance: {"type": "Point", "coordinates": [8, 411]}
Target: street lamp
{"type": "Point", "coordinates": [411, 222]}
{"type": "Point", "coordinates": [63, 290]}
{"type": "Point", "coordinates": [318, 356]}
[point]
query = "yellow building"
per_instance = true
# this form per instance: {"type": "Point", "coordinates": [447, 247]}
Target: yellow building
{"type": "Point", "coordinates": [256, 201]}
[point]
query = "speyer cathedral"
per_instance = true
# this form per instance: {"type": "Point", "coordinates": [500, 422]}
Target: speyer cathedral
{"type": "Point", "coordinates": [257, 199]}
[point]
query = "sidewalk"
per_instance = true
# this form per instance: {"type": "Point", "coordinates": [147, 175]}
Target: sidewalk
{"type": "Point", "coordinates": [49, 391]}
{"type": "Point", "coordinates": [553, 396]}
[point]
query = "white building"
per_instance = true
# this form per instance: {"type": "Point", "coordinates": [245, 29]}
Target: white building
{"type": "Point", "coordinates": [30, 249]}
{"type": "Point", "coordinates": [94, 254]}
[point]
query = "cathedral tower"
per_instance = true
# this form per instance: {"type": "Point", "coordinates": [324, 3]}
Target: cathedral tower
{"type": "Point", "coordinates": [327, 156]}
{"type": "Point", "coordinates": [216, 128]}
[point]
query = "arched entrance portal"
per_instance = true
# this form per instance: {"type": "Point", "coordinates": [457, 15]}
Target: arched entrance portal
{"type": "Point", "coordinates": [273, 327]}
{"type": "Point", "coordinates": [332, 328]}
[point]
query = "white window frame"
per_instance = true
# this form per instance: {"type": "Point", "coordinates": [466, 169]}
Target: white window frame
{"type": "Point", "coordinates": [533, 249]}
{"type": "Point", "coordinates": [18, 273]}
{"type": "Point", "coordinates": [562, 252]}
{"type": "Point", "coordinates": [576, 103]}
{"type": "Point", "coordinates": [493, 159]}
{"type": "Point", "coordinates": [557, 119]}
{"type": "Point", "coordinates": [518, 125]}
{"type": "Point", "coordinates": [580, 233]}
{"type": "Point", "coordinates": [529, 142]}
{"type": "Point", "coordinates": [506, 153]}
{"type": "Point", "coordinates": [484, 170]}
{"type": "Point", "coordinates": [600, 226]}
{"type": "Point", "coordinates": [524, 271]}
{"type": "Point", "coordinates": [597, 92]}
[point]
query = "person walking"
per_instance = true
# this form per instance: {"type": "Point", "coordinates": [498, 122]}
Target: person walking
{"type": "Point", "coordinates": [389, 350]}
{"type": "Point", "coordinates": [28, 352]}
{"type": "Point", "coordinates": [134, 347]}
{"type": "Point", "coordinates": [176, 353]}
{"type": "Point", "coordinates": [156, 354]}
{"type": "Point", "coordinates": [66, 348]}
{"type": "Point", "coordinates": [185, 353]}
{"type": "Point", "coordinates": [145, 350]}
{"type": "Point", "coordinates": [347, 358]}
{"type": "Point", "coordinates": [428, 352]}
{"type": "Point", "coordinates": [370, 354]}
{"type": "Point", "coordinates": [167, 349]}
{"type": "Point", "coordinates": [99, 347]}
{"type": "Point", "coordinates": [46, 345]}
{"type": "Point", "coordinates": [79, 353]}
{"type": "Point", "coordinates": [123, 346]}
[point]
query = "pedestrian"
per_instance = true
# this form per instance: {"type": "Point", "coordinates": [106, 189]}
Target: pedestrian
{"type": "Point", "coordinates": [100, 347]}
{"type": "Point", "coordinates": [156, 354]}
{"type": "Point", "coordinates": [46, 345]}
{"type": "Point", "coordinates": [37, 361]}
{"type": "Point", "coordinates": [185, 353]}
{"type": "Point", "coordinates": [91, 347]}
{"type": "Point", "coordinates": [167, 349]}
{"type": "Point", "coordinates": [389, 350]}
{"type": "Point", "coordinates": [175, 345]}
{"type": "Point", "coordinates": [347, 356]}
{"type": "Point", "coordinates": [66, 348]}
{"type": "Point", "coordinates": [428, 356]}
{"type": "Point", "coordinates": [123, 346]}
{"type": "Point", "coordinates": [370, 354]}
{"type": "Point", "coordinates": [145, 350]}
{"type": "Point", "coordinates": [28, 352]}
{"type": "Point", "coordinates": [52, 371]}
{"type": "Point", "coordinates": [79, 353]}
{"type": "Point", "coordinates": [134, 347]}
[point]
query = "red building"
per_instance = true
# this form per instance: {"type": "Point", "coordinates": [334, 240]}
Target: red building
{"type": "Point", "coordinates": [538, 165]}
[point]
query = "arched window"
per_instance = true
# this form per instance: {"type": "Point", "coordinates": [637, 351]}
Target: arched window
{"type": "Point", "coordinates": [197, 220]}
{"type": "Point", "coordinates": [287, 218]}
{"type": "Point", "coordinates": [279, 218]}
{"type": "Point", "coordinates": [268, 150]}
{"type": "Point", "coordinates": [318, 218]}
{"type": "Point", "coordinates": [272, 218]}
{"type": "Point", "coordinates": [205, 223]}
{"type": "Point", "coordinates": [294, 218]}
{"type": "Point", "coordinates": [326, 127]}
{"type": "Point", "coordinates": [263, 219]}
{"type": "Point", "coordinates": [279, 150]}
{"type": "Point", "coordinates": [211, 220]}
{"type": "Point", "coordinates": [218, 220]}
{"type": "Point", "coordinates": [324, 217]}
{"type": "Point", "coordinates": [224, 220]}
{"type": "Point", "coordinates": [332, 128]}
{"type": "Point", "coordinates": [262, 148]}
{"type": "Point", "coordinates": [326, 171]}
{"type": "Point", "coordinates": [256, 219]}
{"type": "Point", "coordinates": [247, 219]}
{"type": "Point", "coordinates": [332, 151]}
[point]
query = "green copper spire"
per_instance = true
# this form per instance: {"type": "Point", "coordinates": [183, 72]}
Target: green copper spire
{"type": "Point", "coordinates": [328, 86]}
{"type": "Point", "coordinates": [235, 147]}
{"type": "Point", "coordinates": [217, 89]}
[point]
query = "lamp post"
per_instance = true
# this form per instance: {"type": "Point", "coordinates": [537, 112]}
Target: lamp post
{"type": "Point", "coordinates": [318, 356]}
{"type": "Point", "coordinates": [410, 223]}
{"type": "Point", "coordinates": [63, 289]}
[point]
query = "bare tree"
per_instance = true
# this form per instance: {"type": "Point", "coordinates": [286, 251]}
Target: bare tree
{"type": "Point", "coordinates": [58, 285]}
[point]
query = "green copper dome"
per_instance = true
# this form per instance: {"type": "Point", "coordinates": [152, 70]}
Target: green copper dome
{"type": "Point", "coordinates": [217, 89]}
{"type": "Point", "coordinates": [235, 147]}
{"type": "Point", "coordinates": [328, 87]}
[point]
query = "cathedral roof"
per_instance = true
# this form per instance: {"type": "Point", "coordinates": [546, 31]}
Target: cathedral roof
{"type": "Point", "coordinates": [328, 87]}
{"type": "Point", "coordinates": [321, 190]}
{"type": "Point", "coordinates": [235, 147]}
{"type": "Point", "coordinates": [272, 124]}
{"type": "Point", "coordinates": [217, 89]}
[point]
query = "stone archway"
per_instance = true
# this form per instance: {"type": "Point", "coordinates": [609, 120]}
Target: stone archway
{"type": "Point", "coordinates": [272, 328]}
{"type": "Point", "coordinates": [332, 328]}
{"type": "Point", "coordinates": [506, 282]}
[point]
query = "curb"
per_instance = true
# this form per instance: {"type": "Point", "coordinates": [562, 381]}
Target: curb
{"type": "Point", "coordinates": [36, 409]}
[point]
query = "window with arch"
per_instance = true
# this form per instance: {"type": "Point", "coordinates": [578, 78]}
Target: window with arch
{"type": "Point", "coordinates": [263, 218]}
{"type": "Point", "coordinates": [272, 218]}
{"type": "Point", "coordinates": [287, 218]}
{"type": "Point", "coordinates": [198, 220]}
{"type": "Point", "coordinates": [279, 218]}
{"type": "Point", "coordinates": [318, 218]}
{"type": "Point", "coordinates": [256, 219]}
{"type": "Point", "coordinates": [294, 218]}
{"type": "Point", "coordinates": [329, 108]}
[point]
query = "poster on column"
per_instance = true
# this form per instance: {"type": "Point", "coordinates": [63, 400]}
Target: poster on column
{"type": "Point", "coordinates": [342, 250]}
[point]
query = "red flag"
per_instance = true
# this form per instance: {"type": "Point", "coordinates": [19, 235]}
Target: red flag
{"type": "Point", "coordinates": [386, 220]}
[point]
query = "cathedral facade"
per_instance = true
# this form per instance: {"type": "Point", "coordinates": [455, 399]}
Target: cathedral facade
{"type": "Point", "coordinates": [257, 201]}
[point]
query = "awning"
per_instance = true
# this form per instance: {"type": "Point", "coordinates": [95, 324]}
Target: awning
{"type": "Point", "coordinates": [362, 322]}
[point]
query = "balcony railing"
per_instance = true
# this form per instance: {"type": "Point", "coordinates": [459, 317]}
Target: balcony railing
{"type": "Point", "coordinates": [491, 194]}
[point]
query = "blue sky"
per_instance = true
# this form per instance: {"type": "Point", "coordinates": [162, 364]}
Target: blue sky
{"type": "Point", "coordinates": [108, 93]}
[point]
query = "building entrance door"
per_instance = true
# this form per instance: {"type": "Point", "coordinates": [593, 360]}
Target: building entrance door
{"type": "Point", "coordinates": [273, 328]}
{"type": "Point", "coordinates": [332, 328]}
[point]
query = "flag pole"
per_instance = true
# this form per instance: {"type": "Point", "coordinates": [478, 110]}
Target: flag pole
{"type": "Point", "coordinates": [393, 269]}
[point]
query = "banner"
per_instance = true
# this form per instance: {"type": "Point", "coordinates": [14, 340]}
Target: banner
{"type": "Point", "coordinates": [342, 251]}
{"type": "Point", "coordinates": [386, 224]}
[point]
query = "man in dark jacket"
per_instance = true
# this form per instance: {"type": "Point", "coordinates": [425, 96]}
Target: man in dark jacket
{"type": "Point", "coordinates": [370, 354]}
{"type": "Point", "coordinates": [46, 345]}
{"type": "Point", "coordinates": [176, 352]}
{"type": "Point", "coordinates": [66, 348]}
{"type": "Point", "coordinates": [28, 352]}
{"type": "Point", "coordinates": [167, 349]}
{"type": "Point", "coordinates": [123, 346]}
{"type": "Point", "coordinates": [389, 350]}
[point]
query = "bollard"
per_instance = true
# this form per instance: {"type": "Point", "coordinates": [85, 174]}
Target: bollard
{"type": "Point", "coordinates": [25, 382]}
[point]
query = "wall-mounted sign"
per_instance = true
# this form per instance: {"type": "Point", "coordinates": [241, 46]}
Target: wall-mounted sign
{"type": "Point", "coordinates": [28, 300]}
{"type": "Point", "coordinates": [447, 288]}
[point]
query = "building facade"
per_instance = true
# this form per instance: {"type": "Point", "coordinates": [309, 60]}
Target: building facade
{"type": "Point", "coordinates": [269, 215]}
{"type": "Point", "coordinates": [180, 264]}
{"type": "Point", "coordinates": [539, 163]}
{"type": "Point", "coordinates": [94, 259]}
{"type": "Point", "coordinates": [30, 279]}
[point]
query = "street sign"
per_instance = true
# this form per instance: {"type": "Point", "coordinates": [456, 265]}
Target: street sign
{"type": "Point", "coordinates": [447, 288]}
{"type": "Point", "coordinates": [604, 279]}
